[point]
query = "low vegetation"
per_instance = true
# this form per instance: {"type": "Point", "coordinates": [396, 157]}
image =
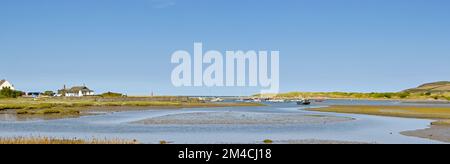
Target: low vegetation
{"type": "Point", "coordinates": [49, 111]}
{"type": "Point", "coordinates": [60, 106]}
{"type": "Point", "coordinates": [47, 140]}
{"type": "Point", "coordinates": [440, 87]}
{"type": "Point", "coordinates": [111, 95]}
{"type": "Point", "coordinates": [441, 123]}
{"type": "Point", "coordinates": [430, 91]}
{"type": "Point", "coordinates": [354, 95]}
{"type": "Point", "coordinates": [396, 111]}
{"type": "Point", "coordinates": [9, 93]}
{"type": "Point", "coordinates": [48, 93]}
{"type": "Point", "coordinates": [268, 141]}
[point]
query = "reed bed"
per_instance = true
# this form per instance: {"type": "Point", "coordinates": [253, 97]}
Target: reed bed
{"type": "Point", "coordinates": [68, 106]}
{"type": "Point", "coordinates": [395, 111]}
{"type": "Point", "coordinates": [57, 108]}
{"type": "Point", "coordinates": [49, 140]}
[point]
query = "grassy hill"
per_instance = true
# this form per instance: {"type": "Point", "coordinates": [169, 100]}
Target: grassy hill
{"type": "Point", "coordinates": [442, 87]}
{"type": "Point", "coordinates": [435, 91]}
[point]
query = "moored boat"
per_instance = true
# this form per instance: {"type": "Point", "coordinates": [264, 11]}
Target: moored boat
{"type": "Point", "coordinates": [217, 99]}
{"type": "Point", "coordinates": [304, 102]}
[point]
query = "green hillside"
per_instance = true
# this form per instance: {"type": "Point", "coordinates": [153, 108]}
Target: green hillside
{"type": "Point", "coordinates": [435, 91]}
{"type": "Point", "coordinates": [442, 87]}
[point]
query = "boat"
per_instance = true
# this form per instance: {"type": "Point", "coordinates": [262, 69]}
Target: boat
{"type": "Point", "coordinates": [257, 100]}
{"type": "Point", "coordinates": [276, 101]}
{"type": "Point", "coordinates": [304, 102]}
{"type": "Point", "coordinates": [319, 100]}
{"type": "Point", "coordinates": [217, 100]}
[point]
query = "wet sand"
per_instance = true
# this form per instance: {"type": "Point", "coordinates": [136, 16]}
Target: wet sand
{"type": "Point", "coordinates": [435, 132]}
{"type": "Point", "coordinates": [241, 118]}
{"type": "Point", "coordinates": [318, 142]}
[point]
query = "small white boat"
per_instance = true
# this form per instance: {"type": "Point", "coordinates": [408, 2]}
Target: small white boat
{"type": "Point", "coordinates": [217, 100]}
{"type": "Point", "coordinates": [257, 100]}
{"type": "Point", "coordinates": [276, 101]}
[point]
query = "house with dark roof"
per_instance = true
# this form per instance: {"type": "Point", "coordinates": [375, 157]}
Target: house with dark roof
{"type": "Point", "coordinates": [77, 91]}
{"type": "Point", "coordinates": [6, 84]}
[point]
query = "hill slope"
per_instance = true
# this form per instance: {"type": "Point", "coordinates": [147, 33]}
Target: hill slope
{"type": "Point", "coordinates": [430, 91]}
{"type": "Point", "coordinates": [441, 87]}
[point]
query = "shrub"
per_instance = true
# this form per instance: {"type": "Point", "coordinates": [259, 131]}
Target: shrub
{"type": "Point", "coordinates": [48, 111]}
{"type": "Point", "coordinates": [11, 106]}
{"type": "Point", "coordinates": [111, 94]}
{"type": "Point", "coordinates": [21, 111]}
{"type": "Point", "coordinates": [404, 95]}
{"type": "Point", "coordinates": [267, 141]}
{"type": "Point", "coordinates": [9, 93]}
{"type": "Point", "coordinates": [441, 122]}
{"type": "Point", "coordinates": [49, 93]}
{"type": "Point", "coordinates": [388, 95]}
{"type": "Point", "coordinates": [435, 97]}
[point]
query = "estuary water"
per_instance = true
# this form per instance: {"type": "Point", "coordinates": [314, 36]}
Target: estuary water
{"type": "Point", "coordinates": [124, 125]}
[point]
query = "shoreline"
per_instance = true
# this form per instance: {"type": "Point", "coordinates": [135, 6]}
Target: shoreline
{"type": "Point", "coordinates": [426, 101]}
{"type": "Point", "coordinates": [402, 100]}
{"type": "Point", "coordinates": [68, 108]}
{"type": "Point", "coordinates": [439, 130]}
{"type": "Point", "coordinates": [63, 141]}
{"type": "Point", "coordinates": [419, 112]}
{"type": "Point", "coordinates": [434, 132]}
{"type": "Point", "coordinates": [241, 118]}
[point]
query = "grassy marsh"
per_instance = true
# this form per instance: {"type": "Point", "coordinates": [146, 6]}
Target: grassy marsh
{"type": "Point", "coordinates": [70, 107]}
{"type": "Point", "coordinates": [395, 111]}
{"type": "Point", "coordinates": [47, 140]}
{"type": "Point", "coordinates": [441, 123]}
{"type": "Point", "coordinates": [362, 96]}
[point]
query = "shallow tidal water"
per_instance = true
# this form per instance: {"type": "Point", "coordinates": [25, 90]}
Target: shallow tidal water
{"type": "Point", "coordinates": [122, 125]}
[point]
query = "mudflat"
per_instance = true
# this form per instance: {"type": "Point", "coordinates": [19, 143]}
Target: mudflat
{"type": "Point", "coordinates": [435, 132]}
{"type": "Point", "coordinates": [439, 130]}
{"type": "Point", "coordinates": [394, 111]}
{"type": "Point", "coordinates": [241, 118]}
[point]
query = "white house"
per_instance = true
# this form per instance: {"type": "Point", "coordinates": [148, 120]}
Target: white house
{"type": "Point", "coordinates": [78, 91]}
{"type": "Point", "coordinates": [6, 84]}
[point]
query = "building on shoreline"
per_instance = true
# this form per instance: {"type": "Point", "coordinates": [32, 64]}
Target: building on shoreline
{"type": "Point", "coordinates": [33, 94]}
{"type": "Point", "coordinates": [6, 84]}
{"type": "Point", "coordinates": [77, 91]}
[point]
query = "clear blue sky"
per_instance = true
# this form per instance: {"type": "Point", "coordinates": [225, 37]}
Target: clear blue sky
{"type": "Point", "coordinates": [126, 45]}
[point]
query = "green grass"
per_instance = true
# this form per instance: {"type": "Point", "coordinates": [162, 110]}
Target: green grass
{"type": "Point", "coordinates": [47, 140]}
{"type": "Point", "coordinates": [48, 111]}
{"type": "Point", "coordinates": [441, 123]}
{"type": "Point", "coordinates": [11, 106]}
{"type": "Point", "coordinates": [268, 141]}
{"type": "Point", "coordinates": [354, 95]}
{"type": "Point", "coordinates": [74, 106]}
{"type": "Point", "coordinates": [395, 111]}
{"type": "Point", "coordinates": [30, 105]}
{"type": "Point", "coordinates": [22, 111]}
{"type": "Point", "coordinates": [111, 95]}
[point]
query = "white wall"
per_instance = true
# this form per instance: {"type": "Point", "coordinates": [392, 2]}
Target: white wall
{"type": "Point", "coordinates": [6, 84]}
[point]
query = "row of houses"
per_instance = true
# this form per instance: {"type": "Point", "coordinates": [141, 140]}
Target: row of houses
{"type": "Point", "coordinates": [76, 91]}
